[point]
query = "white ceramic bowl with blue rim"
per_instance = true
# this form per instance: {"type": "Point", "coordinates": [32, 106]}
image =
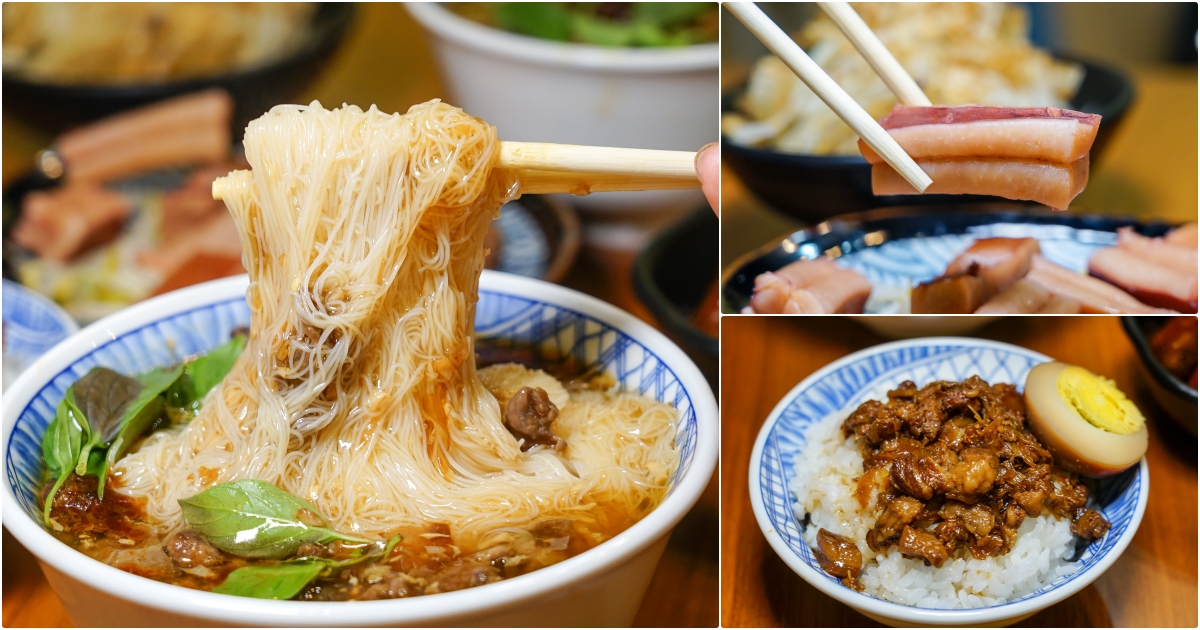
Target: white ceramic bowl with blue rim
{"type": "Point", "coordinates": [603, 586]}
{"type": "Point", "coordinates": [32, 325]}
{"type": "Point", "coordinates": [842, 385]}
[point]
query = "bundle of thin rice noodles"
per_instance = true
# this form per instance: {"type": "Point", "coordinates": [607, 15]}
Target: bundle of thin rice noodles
{"type": "Point", "coordinates": [968, 53]}
{"type": "Point", "coordinates": [826, 475]}
{"type": "Point", "coordinates": [358, 389]}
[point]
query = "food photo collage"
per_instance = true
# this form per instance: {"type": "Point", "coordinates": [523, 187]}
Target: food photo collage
{"type": "Point", "coordinates": [617, 314]}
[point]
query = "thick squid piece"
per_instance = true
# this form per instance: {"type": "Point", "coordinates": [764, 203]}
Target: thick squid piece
{"type": "Point", "coordinates": [1028, 153]}
{"type": "Point", "coordinates": [810, 286]}
{"type": "Point", "coordinates": [1050, 184]}
{"type": "Point", "coordinates": [1000, 261]}
{"type": "Point", "coordinates": [1152, 283]}
{"type": "Point", "coordinates": [986, 268]}
{"type": "Point", "coordinates": [62, 223]}
{"type": "Point", "coordinates": [1160, 251]}
{"type": "Point", "coordinates": [1026, 297]}
{"type": "Point", "coordinates": [1094, 295]}
{"type": "Point", "coordinates": [1047, 134]}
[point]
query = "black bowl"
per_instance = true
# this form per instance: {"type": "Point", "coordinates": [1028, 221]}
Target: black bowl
{"type": "Point", "coordinates": [813, 188]}
{"type": "Point", "coordinates": [854, 232]}
{"type": "Point", "coordinates": [254, 90]}
{"type": "Point", "coordinates": [674, 275]}
{"type": "Point", "coordinates": [1172, 394]}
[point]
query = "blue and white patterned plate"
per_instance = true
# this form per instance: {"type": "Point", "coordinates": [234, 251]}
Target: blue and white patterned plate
{"type": "Point", "coordinates": [32, 325]}
{"type": "Point", "coordinates": [898, 248]}
{"type": "Point", "coordinates": [559, 323]}
{"type": "Point", "coordinates": [844, 384]}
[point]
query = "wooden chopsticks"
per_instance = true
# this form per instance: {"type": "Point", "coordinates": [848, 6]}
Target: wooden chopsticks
{"type": "Point", "coordinates": [834, 96]}
{"type": "Point", "coordinates": [881, 59]}
{"type": "Point", "coordinates": [580, 170]}
{"type": "Point", "coordinates": [548, 168]}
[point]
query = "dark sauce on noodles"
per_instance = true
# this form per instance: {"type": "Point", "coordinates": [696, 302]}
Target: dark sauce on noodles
{"type": "Point", "coordinates": [426, 560]}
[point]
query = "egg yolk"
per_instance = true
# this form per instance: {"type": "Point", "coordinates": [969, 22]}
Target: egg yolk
{"type": "Point", "coordinates": [1097, 400]}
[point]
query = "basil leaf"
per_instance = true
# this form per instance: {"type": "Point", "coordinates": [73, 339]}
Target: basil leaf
{"type": "Point", "coordinates": [254, 519]}
{"type": "Point", "coordinates": [98, 466]}
{"type": "Point", "coordinates": [285, 581]}
{"type": "Point", "coordinates": [203, 373]}
{"type": "Point", "coordinates": [103, 396]}
{"type": "Point", "coordinates": [61, 445]}
{"type": "Point", "coordinates": [136, 416]}
{"type": "Point", "coordinates": [281, 581]}
{"type": "Point", "coordinates": [130, 432]}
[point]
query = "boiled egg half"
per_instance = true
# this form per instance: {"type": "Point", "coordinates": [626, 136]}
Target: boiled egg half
{"type": "Point", "coordinates": [1088, 424]}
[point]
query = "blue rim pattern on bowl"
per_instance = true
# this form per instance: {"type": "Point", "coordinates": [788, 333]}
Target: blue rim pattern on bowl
{"type": "Point", "coordinates": [558, 332]}
{"type": "Point", "coordinates": [868, 377]}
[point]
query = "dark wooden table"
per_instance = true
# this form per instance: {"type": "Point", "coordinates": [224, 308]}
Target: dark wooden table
{"type": "Point", "coordinates": [1153, 584]}
{"type": "Point", "coordinates": [386, 61]}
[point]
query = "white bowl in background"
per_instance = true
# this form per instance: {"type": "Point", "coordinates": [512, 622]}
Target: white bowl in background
{"type": "Point", "coordinates": [600, 587]}
{"type": "Point", "coordinates": [535, 90]}
{"type": "Point", "coordinates": [867, 375]}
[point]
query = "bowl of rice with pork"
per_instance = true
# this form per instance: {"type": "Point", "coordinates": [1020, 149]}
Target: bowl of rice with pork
{"type": "Point", "coordinates": [903, 481]}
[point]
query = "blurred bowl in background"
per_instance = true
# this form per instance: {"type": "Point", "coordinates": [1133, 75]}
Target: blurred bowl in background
{"type": "Point", "coordinates": [32, 325]}
{"type": "Point", "coordinates": [676, 279]}
{"type": "Point", "coordinates": [536, 90]}
{"type": "Point", "coordinates": [813, 188]}
{"type": "Point", "coordinates": [255, 90]}
{"type": "Point", "coordinates": [1172, 394]}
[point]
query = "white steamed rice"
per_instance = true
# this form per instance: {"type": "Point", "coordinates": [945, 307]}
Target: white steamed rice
{"type": "Point", "coordinates": [826, 472]}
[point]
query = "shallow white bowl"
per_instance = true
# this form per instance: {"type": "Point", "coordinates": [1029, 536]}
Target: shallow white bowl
{"type": "Point", "coordinates": [536, 90]}
{"type": "Point", "coordinates": [868, 374]}
{"type": "Point", "coordinates": [603, 586]}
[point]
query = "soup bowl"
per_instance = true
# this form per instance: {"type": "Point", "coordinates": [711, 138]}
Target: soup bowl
{"type": "Point", "coordinates": [603, 586]}
{"type": "Point", "coordinates": [837, 389]}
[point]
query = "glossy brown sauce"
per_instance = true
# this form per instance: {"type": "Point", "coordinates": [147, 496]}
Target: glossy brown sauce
{"type": "Point", "coordinates": [955, 470]}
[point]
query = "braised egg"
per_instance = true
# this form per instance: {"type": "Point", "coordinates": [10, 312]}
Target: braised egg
{"type": "Point", "coordinates": [1088, 424]}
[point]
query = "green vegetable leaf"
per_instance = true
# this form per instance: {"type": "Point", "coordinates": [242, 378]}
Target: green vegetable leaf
{"type": "Point", "coordinates": [601, 32]}
{"type": "Point", "coordinates": [139, 415]}
{"type": "Point", "coordinates": [286, 580]}
{"type": "Point", "coordinates": [61, 445]}
{"type": "Point", "coordinates": [97, 466]}
{"type": "Point", "coordinates": [254, 519]}
{"type": "Point", "coordinates": [546, 20]}
{"type": "Point", "coordinates": [281, 581]}
{"type": "Point", "coordinates": [103, 395]}
{"type": "Point", "coordinates": [117, 406]}
{"type": "Point", "coordinates": [203, 373]}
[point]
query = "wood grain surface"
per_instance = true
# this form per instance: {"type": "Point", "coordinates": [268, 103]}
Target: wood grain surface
{"type": "Point", "coordinates": [1153, 584]}
{"type": "Point", "coordinates": [385, 60]}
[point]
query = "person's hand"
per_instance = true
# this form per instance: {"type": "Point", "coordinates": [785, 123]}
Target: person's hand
{"type": "Point", "coordinates": [708, 168]}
